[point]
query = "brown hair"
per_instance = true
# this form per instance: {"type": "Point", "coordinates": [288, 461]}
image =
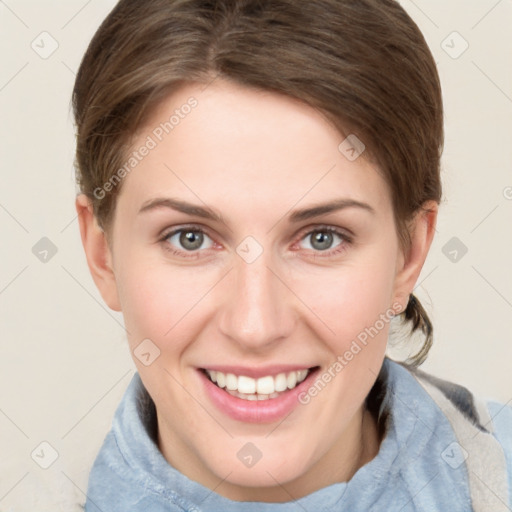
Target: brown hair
{"type": "Point", "coordinates": [364, 64]}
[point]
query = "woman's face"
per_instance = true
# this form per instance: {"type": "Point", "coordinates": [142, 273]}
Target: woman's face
{"type": "Point", "coordinates": [230, 255]}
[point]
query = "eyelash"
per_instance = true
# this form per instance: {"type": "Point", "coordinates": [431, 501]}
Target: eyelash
{"type": "Point", "coordinates": [346, 240]}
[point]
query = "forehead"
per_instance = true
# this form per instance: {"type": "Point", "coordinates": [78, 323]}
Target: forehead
{"type": "Point", "coordinates": [227, 143]}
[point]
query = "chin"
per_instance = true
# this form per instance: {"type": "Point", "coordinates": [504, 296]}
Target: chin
{"type": "Point", "coordinates": [279, 469]}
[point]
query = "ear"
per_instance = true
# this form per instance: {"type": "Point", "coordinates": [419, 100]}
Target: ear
{"type": "Point", "coordinates": [422, 228]}
{"type": "Point", "coordinates": [97, 252]}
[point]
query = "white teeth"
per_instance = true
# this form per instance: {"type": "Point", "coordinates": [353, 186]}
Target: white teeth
{"type": "Point", "coordinates": [301, 375]}
{"type": "Point", "coordinates": [267, 387]}
{"type": "Point", "coordinates": [291, 380]}
{"type": "Point", "coordinates": [221, 380]}
{"type": "Point", "coordinates": [231, 382]}
{"type": "Point", "coordinates": [280, 383]}
{"type": "Point", "coordinates": [246, 385]}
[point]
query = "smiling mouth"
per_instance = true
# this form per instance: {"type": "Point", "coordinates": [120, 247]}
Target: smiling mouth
{"type": "Point", "coordinates": [263, 388]}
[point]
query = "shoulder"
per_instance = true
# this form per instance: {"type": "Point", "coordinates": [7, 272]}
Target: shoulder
{"type": "Point", "coordinates": [501, 417]}
{"type": "Point", "coordinates": [485, 414]}
{"type": "Point", "coordinates": [482, 433]}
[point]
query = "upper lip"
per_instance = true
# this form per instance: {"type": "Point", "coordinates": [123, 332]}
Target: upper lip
{"type": "Point", "coordinates": [257, 372]}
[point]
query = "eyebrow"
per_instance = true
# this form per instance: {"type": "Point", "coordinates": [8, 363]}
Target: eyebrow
{"type": "Point", "coordinates": [296, 216]}
{"type": "Point", "coordinates": [180, 206]}
{"type": "Point", "coordinates": [332, 206]}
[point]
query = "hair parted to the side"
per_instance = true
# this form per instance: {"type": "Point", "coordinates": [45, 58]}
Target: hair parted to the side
{"type": "Point", "coordinates": [364, 64]}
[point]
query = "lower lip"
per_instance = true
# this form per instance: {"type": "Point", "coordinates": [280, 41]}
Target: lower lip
{"type": "Point", "coordinates": [256, 411]}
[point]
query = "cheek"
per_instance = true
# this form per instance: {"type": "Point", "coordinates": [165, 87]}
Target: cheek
{"type": "Point", "coordinates": [158, 302]}
{"type": "Point", "coordinates": [350, 299]}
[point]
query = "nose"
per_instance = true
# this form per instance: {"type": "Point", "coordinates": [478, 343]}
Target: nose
{"type": "Point", "coordinates": [257, 308]}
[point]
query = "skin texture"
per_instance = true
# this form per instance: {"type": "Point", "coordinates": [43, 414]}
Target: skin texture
{"type": "Point", "coordinates": [254, 157]}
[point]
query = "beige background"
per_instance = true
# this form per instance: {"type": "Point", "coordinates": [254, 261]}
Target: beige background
{"type": "Point", "coordinates": [64, 362]}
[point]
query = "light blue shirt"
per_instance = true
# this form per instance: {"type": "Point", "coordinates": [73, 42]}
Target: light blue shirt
{"type": "Point", "coordinates": [418, 467]}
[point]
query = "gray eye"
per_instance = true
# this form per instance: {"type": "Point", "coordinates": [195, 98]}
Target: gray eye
{"type": "Point", "coordinates": [321, 240]}
{"type": "Point", "coordinates": [189, 239]}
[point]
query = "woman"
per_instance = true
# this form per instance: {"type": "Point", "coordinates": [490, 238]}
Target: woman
{"type": "Point", "coordinates": [259, 191]}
